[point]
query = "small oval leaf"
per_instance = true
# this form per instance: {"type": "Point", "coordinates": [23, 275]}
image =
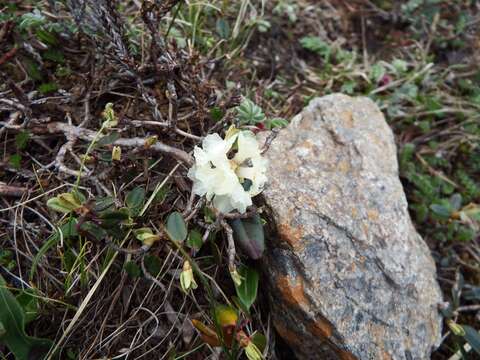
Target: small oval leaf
{"type": "Point", "coordinates": [247, 290]}
{"type": "Point", "coordinates": [250, 236]}
{"type": "Point", "coordinates": [135, 200]}
{"type": "Point", "coordinates": [176, 227]}
{"type": "Point", "coordinates": [194, 240]}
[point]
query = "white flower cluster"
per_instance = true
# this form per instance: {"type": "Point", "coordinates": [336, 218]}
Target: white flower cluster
{"type": "Point", "coordinates": [229, 171]}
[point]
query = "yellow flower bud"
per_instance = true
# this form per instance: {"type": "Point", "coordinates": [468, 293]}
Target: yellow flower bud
{"type": "Point", "coordinates": [455, 328]}
{"type": "Point", "coordinates": [187, 281]}
{"type": "Point", "coordinates": [116, 153]}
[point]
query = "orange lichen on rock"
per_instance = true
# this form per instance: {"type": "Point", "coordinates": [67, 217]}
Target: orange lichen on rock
{"type": "Point", "coordinates": [321, 327]}
{"type": "Point", "coordinates": [373, 214]}
{"type": "Point", "coordinates": [291, 235]}
{"type": "Point", "coordinates": [347, 118]}
{"type": "Point", "coordinates": [292, 290]}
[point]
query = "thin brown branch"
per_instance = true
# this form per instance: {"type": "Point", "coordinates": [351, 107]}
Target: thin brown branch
{"type": "Point", "coordinates": [136, 142]}
{"type": "Point", "coordinates": [230, 246]}
{"type": "Point", "coordinates": [268, 141]}
{"type": "Point", "coordinates": [13, 191]}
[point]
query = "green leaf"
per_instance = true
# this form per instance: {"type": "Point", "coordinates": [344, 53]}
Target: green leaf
{"type": "Point", "coordinates": [79, 196]}
{"type": "Point", "coordinates": [116, 216]}
{"type": "Point", "coordinates": [146, 235]}
{"type": "Point", "coordinates": [67, 230]}
{"type": "Point", "coordinates": [465, 234]}
{"type": "Point", "coordinates": [252, 352]}
{"type": "Point", "coordinates": [377, 71]}
{"type": "Point", "coordinates": [259, 340]}
{"type": "Point", "coordinates": [66, 202]}
{"type": "Point", "coordinates": [176, 227]}
{"type": "Point", "coordinates": [46, 36]}
{"type": "Point", "coordinates": [47, 88]}
{"type": "Point", "coordinates": [216, 113]}
{"type": "Point", "coordinates": [29, 303]}
{"type": "Point", "coordinates": [250, 113]}
{"type": "Point", "coordinates": [195, 240]}
{"type": "Point", "coordinates": [161, 194]}
{"type": "Point", "coordinates": [247, 290]}
{"type": "Point", "coordinates": [249, 235]}
{"type": "Point", "coordinates": [277, 122]}
{"type": "Point", "coordinates": [153, 264]}
{"type": "Point", "coordinates": [16, 161]}
{"type": "Point", "coordinates": [472, 337]}
{"type": "Point", "coordinates": [135, 200]}
{"type": "Point", "coordinates": [12, 329]}
{"type": "Point", "coordinates": [21, 139]}
{"type": "Point", "coordinates": [104, 204]}
{"type": "Point", "coordinates": [108, 139]}
{"type": "Point", "coordinates": [406, 154]}
{"type": "Point", "coordinates": [132, 269]}
{"type": "Point", "coordinates": [441, 210]}
{"type": "Point", "coordinates": [54, 55]}
{"type": "Point", "coordinates": [94, 230]}
{"type": "Point", "coordinates": [6, 259]}
{"type": "Point", "coordinates": [316, 45]}
{"type": "Point", "coordinates": [455, 201]}
{"type": "Point", "coordinates": [400, 65]}
{"type": "Point", "coordinates": [33, 70]}
{"type": "Point", "coordinates": [33, 19]}
{"type": "Point", "coordinates": [348, 87]}
{"type": "Point", "coordinates": [223, 29]}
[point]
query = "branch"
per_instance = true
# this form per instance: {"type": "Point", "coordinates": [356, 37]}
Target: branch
{"type": "Point", "coordinates": [14, 191]}
{"type": "Point", "coordinates": [88, 135]}
{"type": "Point", "coordinates": [230, 246]}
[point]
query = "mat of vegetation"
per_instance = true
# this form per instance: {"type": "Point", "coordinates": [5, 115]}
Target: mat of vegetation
{"type": "Point", "coordinates": [104, 249]}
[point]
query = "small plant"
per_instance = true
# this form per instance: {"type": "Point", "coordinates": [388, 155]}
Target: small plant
{"type": "Point", "coordinates": [12, 328]}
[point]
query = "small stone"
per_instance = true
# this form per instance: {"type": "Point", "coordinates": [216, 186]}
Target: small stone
{"type": "Point", "coordinates": [349, 276]}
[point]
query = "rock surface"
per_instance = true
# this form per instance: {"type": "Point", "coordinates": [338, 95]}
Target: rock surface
{"type": "Point", "coordinates": [349, 276]}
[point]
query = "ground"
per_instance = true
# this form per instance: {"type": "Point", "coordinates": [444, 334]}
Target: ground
{"type": "Point", "coordinates": [61, 67]}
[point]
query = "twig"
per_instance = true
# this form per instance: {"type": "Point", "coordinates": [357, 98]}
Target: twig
{"type": "Point", "coordinates": [252, 210]}
{"type": "Point", "coordinates": [231, 246]}
{"type": "Point", "coordinates": [435, 172]}
{"type": "Point", "coordinates": [14, 191]}
{"type": "Point", "coordinates": [172, 104]}
{"type": "Point", "coordinates": [468, 308]}
{"type": "Point", "coordinates": [11, 121]}
{"type": "Point", "coordinates": [268, 141]}
{"type": "Point", "coordinates": [60, 158]}
{"type": "Point", "coordinates": [141, 250]}
{"type": "Point", "coordinates": [89, 135]}
{"type": "Point", "coordinates": [8, 55]}
{"type": "Point", "coordinates": [166, 125]}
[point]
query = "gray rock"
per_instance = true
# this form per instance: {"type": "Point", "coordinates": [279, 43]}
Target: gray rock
{"type": "Point", "coordinates": [349, 277]}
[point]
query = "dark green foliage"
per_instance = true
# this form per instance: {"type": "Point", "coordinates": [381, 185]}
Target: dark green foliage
{"type": "Point", "coordinates": [12, 328]}
{"type": "Point", "coordinates": [249, 235]}
{"type": "Point", "coordinates": [471, 188]}
{"type": "Point", "coordinates": [247, 290]}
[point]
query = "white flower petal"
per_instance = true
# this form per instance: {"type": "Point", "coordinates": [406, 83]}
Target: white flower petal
{"type": "Point", "coordinates": [218, 178]}
{"type": "Point", "coordinates": [222, 203]}
{"type": "Point", "coordinates": [247, 147]}
{"type": "Point", "coordinates": [240, 199]}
